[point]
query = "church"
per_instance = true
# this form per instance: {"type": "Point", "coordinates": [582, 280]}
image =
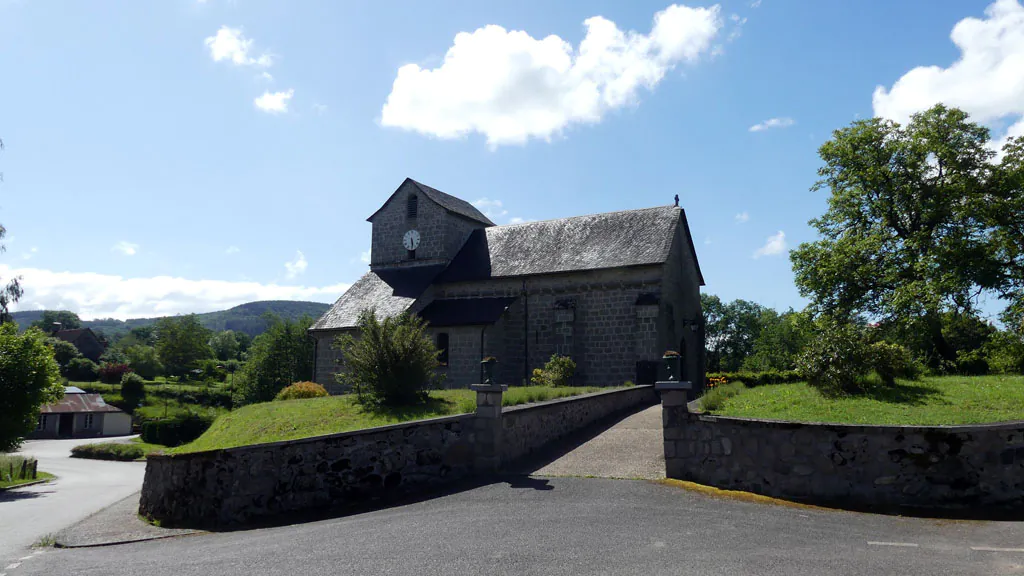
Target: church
{"type": "Point", "coordinates": [612, 291]}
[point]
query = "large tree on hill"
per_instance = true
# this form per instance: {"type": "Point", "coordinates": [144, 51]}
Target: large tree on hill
{"type": "Point", "coordinates": [181, 341]}
{"type": "Point", "coordinates": [909, 231]}
{"type": "Point", "coordinates": [730, 331]}
{"type": "Point", "coordinates": [1007, 216]}
{"type": "Point", "coordinates": [67, 320]}
{"type": "Point", "coordinates": [279, 357]}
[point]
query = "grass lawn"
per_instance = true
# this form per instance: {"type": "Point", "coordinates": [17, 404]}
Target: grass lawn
{"type": "Point", "coordinates": [136, 449]}
{"type": "Point", "coordinates": [291, 419]}
{"type": "Point", "coordinates": [10, 472]}
{"type": "Point", "coordinates": [927, 402]}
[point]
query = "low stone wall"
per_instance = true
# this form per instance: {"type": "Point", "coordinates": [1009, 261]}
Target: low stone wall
{"type": "Point", "coordinates": [938, 467]}
{"type": "Point", "coordinates": [234, 486]}
{"type": "Point", "coordinates": [238, 485]}
{"type": "Point", "coordinates": [529, 427]}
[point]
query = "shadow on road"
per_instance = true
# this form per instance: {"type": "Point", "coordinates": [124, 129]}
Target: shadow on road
{"type": "Point", "coordinates": [11, 495]}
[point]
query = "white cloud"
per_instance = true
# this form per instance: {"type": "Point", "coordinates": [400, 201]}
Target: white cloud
{"type": "Point", "coordinates": [94, 295]}
{"type": "Point", "coordinates": [737, 30]}
{"type": "Point", "coordinates": [493, 209]}
{"type": "Point", "coordinates": [126, 248]}
{"type": "Point", "coordinates": [231, 45]}
{"type": "Point", "coordinates": [742, 217]}
{"type": "Point", "coordinates": [297, 266]}
{"type": "Point", "coordinates": [773, 246]}
{"type": "Point", "coordinates": [364, 257]}
{"type": "Point", "coordinates": [511, 87]}
{"type": "Point", "coordinates": [708, 242]}
{"type": "Point", "coordinates": [773, 123]}
{"type": "Point", "coordinates": [232, 250]}
{"type": "Point", "coordinates": [755, 4]}
{"type": "Point", "coordinates": [274, 102]}
{"type": "Point", "coordinates": [30, 253]}
{"type": "Point", "coordinates": [518, 220]}
{"type": "Point", "coordinates": [267, 76]}
{"type": "Point", "coordinates": [986, 81]}
{"type": "Point", "coordinates": [319, 108]}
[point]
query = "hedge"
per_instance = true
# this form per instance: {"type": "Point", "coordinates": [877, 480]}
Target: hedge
{"type": "Point", "coordinates": [752, 379]}
{"type": "Point", "coordinates": [175, 431]}
{"type": "Point", "coordinates": [125, 452]}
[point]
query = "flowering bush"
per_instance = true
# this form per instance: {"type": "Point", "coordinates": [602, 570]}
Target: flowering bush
{"type": "Point", "coordinates": [301, 390]}
{"type": "Point", "coordinates": [111, 373]}
{"type": "Point", "coordinates": [557, 372]}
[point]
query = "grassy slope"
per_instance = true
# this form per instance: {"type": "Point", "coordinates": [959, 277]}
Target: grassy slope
{"type": "Point", "coordinates": [274, 421]}
{"type": "Point", "coordinates": [930, 401]}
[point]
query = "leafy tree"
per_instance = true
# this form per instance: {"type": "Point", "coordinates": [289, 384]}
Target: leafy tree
{"type": "Point", "coordinates": [83, 370]}
{"type": "Point", "coordinates": [133, 390]}
{"type": "Point", "coordinates": [63, 353]}
{"type": "Point", "coordinates": [908, 228]}
{"type": "Point", "coordinates": [67, 320]}
{"type": "Point", "coordinates": [225, 345]}
{"type": "Point", "coordinates": [278, 357]}
{"type": "Point", "coordinates": [1006, 216]}
{"type": "Point", "coordinates": [144, 360]}
{"type": "Point", "coordinates": [29, 378]}
{"type": "Point", "coordinates": [244, 342]}
{"type": "Point", "coordinates": [393, 362]}
{"type": "Point", "coordinates": [181, 341]}
{"type": "Point", "coordinates": [780, 342]}
{"type": "Point", "coordinates": [730, 331]}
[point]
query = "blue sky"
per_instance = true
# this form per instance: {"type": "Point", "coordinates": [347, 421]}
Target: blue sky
{"type": "Point", "coordinates": [185, 156]}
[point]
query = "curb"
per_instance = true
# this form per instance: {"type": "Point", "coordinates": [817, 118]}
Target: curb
{"type": "Point", "coordinates": [27, 484]}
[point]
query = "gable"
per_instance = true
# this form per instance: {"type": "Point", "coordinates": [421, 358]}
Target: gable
{"type": "Point", "coordinates": [450, 203]}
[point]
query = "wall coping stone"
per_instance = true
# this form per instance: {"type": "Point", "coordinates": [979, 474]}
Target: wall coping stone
{"type": "Point", "coordinates": [673, 385]}
{"type": "Point", "coordinates": [577, 398]}
{"type": "Point", "coordinates": [489, 387]}
{"type": "Point", "coordinates": [312, 439]}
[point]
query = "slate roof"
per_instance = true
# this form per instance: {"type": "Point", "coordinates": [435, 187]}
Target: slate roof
{"type": "Point", "coordinates": [595, 241]}
{"type": "Point", "coordinates": [446, 201]}
{"type": "Point", "coordinates": [71, 336]}
{"type": "Point", "coordinates": [370, 291]}
{"type": "Point", "coordinates": [75, 403]}
{"type": "Point", "coordinates": [465, 311]}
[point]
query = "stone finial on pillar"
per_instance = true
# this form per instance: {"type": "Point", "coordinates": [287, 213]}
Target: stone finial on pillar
{"type": "Point", "coordinates": [487, 426]}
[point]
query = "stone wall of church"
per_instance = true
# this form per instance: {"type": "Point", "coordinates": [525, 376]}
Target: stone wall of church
{"type": "Point", "coordinates": [464, 352]}
{"type": "Point", "coordinates": [681, 318]}
{"type": "Point", "coordinates": [590, 316]}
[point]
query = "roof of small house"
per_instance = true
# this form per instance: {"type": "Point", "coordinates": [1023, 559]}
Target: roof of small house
{"type": "Point", "coordinates": [75, 403]}
{"type": "Point", "coordinates": [446, 201]}
{"type": "Point", "coordinates": [71, 336]}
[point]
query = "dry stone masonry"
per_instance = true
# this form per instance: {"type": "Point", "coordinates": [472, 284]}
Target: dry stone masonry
{"type": "Point", "coordinates": [935, 467]}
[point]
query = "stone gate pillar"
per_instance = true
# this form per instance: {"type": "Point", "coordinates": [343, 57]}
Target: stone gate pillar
{"type": "Point", "coordinates": [673, 399]}
{"type": "Point", "coordinates": [487, 427]}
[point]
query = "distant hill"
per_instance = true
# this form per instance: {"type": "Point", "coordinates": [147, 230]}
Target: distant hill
{"type": "Point", "coordinates": [242, 318]}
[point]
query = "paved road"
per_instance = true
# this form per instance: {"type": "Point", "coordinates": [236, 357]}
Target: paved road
{"type": "Point", "coordinates": [81, 488]}
{"type": "Point", "coordinates": [632, 448]}
{"type": "Point", "coordinates": [556, 526]}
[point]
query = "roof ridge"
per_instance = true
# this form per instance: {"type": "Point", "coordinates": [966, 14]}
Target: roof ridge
{"type": "Point", "coordinates": [587, 215]}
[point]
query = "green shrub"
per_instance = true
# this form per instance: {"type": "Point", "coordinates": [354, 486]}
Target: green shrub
{"type": "Point", "coordinates": [836, 361]}
{"type": "Point", "coordinates": [754, 379]}
{"type": "Point", "coordinates": [557, 372]}
{"type": "Point", "coordinates": [207, 370]}
{"type": "Point", "coordinates": [175, 431]}
{"type": "Point", "coordinates": [82, 370]}
{"type": "Point", "coordinates": [1005, 352]}
{"type": "Point", "coordinates": [392, 363]}
{"type": "Point", "coordinates": [63, 353]}
{"type": "Point", "coordinates": [302, 390]}
{"type": "Point", "coordinates": [891, 361]}
{"type": "Point", "coordinates": [133, 390]}
{"type": "Point", "coordinates": [971, 362]}
{"type": "Point", "coordinates": [125, 452]}
{"type": "Point", "coordinates": [714, 398]}
{"type": "Point", "coordinates": [29, 378]}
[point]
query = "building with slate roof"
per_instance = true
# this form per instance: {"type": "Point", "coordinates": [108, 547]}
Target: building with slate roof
{"type": "Point", "coordinates": [613, 291]}
{"type": "Point", "coordinates": [81, 415]}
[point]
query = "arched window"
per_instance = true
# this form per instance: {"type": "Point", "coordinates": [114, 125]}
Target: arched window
{"type": "Point", "coordinates": [412, 206]}
{"type": "Point", "coordinates": [442, 345]}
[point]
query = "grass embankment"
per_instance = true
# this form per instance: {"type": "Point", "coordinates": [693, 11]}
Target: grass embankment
{"type": "Point", "coordinates": [14, 471]}
{"type": "Point", "coordinates": [135, 449]}
{"type": "Point", "coordinates": [291, 419]}
{"type": "Point", "coordinates": [928, 402]}
{"type": "Point", "coordinates": [168, 400]}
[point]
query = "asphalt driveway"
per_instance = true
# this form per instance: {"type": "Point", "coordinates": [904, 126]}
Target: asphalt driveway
{"type": "Point", "coordinates": [82, 487]}
{"type": "Point", "coordinates": [556, 526]}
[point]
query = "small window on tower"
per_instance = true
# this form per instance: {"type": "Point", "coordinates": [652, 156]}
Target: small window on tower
{"type": "Point", "coordinates": [442, 346]}
{"type": "Point", "coordinates": [410, 254]}
{"type": "Point", "coordinates": [412, 206]}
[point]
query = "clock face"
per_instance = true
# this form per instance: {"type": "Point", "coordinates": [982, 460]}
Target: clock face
{"type": "Point", "coordinates": [411, 240]}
